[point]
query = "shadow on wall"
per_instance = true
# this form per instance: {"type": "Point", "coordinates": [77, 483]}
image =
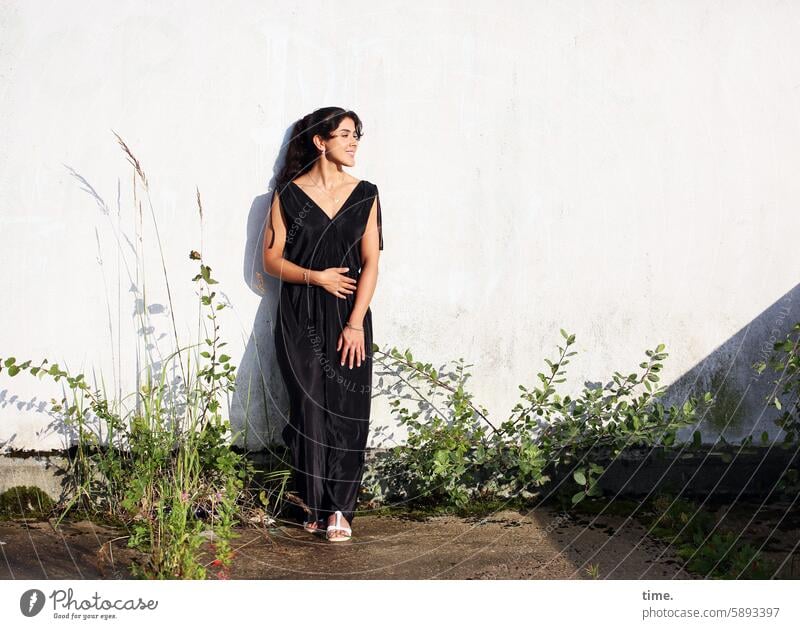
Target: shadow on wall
{"type": "Point", "coordinates": [740, 391]}
{"type": "Point", "coordinates": [260, 407]}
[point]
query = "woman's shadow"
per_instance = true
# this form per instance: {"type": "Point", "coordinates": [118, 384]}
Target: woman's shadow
{"type": "Point", "coordinates": [260, 408]}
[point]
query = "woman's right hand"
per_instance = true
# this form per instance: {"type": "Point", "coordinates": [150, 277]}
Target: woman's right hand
{"type": "Point", "coordinates": [335, 281]}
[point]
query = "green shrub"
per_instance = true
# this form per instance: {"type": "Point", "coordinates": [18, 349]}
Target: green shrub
{"type": "Point", "coordinates": [454, 453]}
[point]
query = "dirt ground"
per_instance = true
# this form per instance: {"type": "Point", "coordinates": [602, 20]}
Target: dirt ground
{"type": "Point", "coordinates": [542, 544]}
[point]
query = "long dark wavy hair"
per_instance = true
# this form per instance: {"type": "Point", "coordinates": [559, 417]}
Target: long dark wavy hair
{"type": "Point", "coordinates": [301, 152]}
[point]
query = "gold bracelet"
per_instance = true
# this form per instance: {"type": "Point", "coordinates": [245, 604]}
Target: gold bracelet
{"type": "Point", "coordinates": [352, 328]}
{"type": "Point", "coordinates": [306, 276]}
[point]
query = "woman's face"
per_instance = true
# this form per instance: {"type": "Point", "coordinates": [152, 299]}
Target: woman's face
{"type": "Point", "coordinates": [342, 147]}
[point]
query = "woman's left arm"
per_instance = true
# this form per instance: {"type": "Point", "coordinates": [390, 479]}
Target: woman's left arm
{"type": "Point", "coordinates": [351, 341]}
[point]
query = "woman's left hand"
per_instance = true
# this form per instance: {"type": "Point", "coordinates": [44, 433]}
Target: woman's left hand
{"type": "Point", "coordinates": [351, 342]}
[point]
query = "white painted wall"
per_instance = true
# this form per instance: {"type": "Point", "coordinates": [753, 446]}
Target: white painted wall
{"type": "Point", "coordinates": [624, 170]}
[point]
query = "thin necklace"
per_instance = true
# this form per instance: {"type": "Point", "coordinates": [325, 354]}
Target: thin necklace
{"type": "Point", "coordinates": [325, 191]}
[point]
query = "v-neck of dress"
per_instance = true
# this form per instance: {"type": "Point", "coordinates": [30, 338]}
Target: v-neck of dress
{"type": "Point", "coordinates": [316, 205]}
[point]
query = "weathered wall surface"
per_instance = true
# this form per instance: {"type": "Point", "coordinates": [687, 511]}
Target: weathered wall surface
{"type": "Point", "coordinates": [625, 171]}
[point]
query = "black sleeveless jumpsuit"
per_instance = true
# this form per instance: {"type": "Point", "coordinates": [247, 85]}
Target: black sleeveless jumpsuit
{"type": "Point", "coordinates": [329, 403]}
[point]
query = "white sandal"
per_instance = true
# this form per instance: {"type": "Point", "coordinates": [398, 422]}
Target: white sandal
{"type": "Point", "coordinates": [336, 526]}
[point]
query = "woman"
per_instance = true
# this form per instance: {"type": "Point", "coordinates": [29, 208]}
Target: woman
{"type": "Point", "coordinates": [323, 242]}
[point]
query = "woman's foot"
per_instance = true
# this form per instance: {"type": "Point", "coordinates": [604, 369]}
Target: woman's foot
{"type": "Point", "coordinates": [313, 526]}
{"type": "Point", "coordinates": [338, 530]}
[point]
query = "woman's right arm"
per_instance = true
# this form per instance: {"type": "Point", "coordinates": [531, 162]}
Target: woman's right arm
{"type": "Point", "coordinates": [274, 240]}
{"type": "Point", "coordinates": [278, 266]}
